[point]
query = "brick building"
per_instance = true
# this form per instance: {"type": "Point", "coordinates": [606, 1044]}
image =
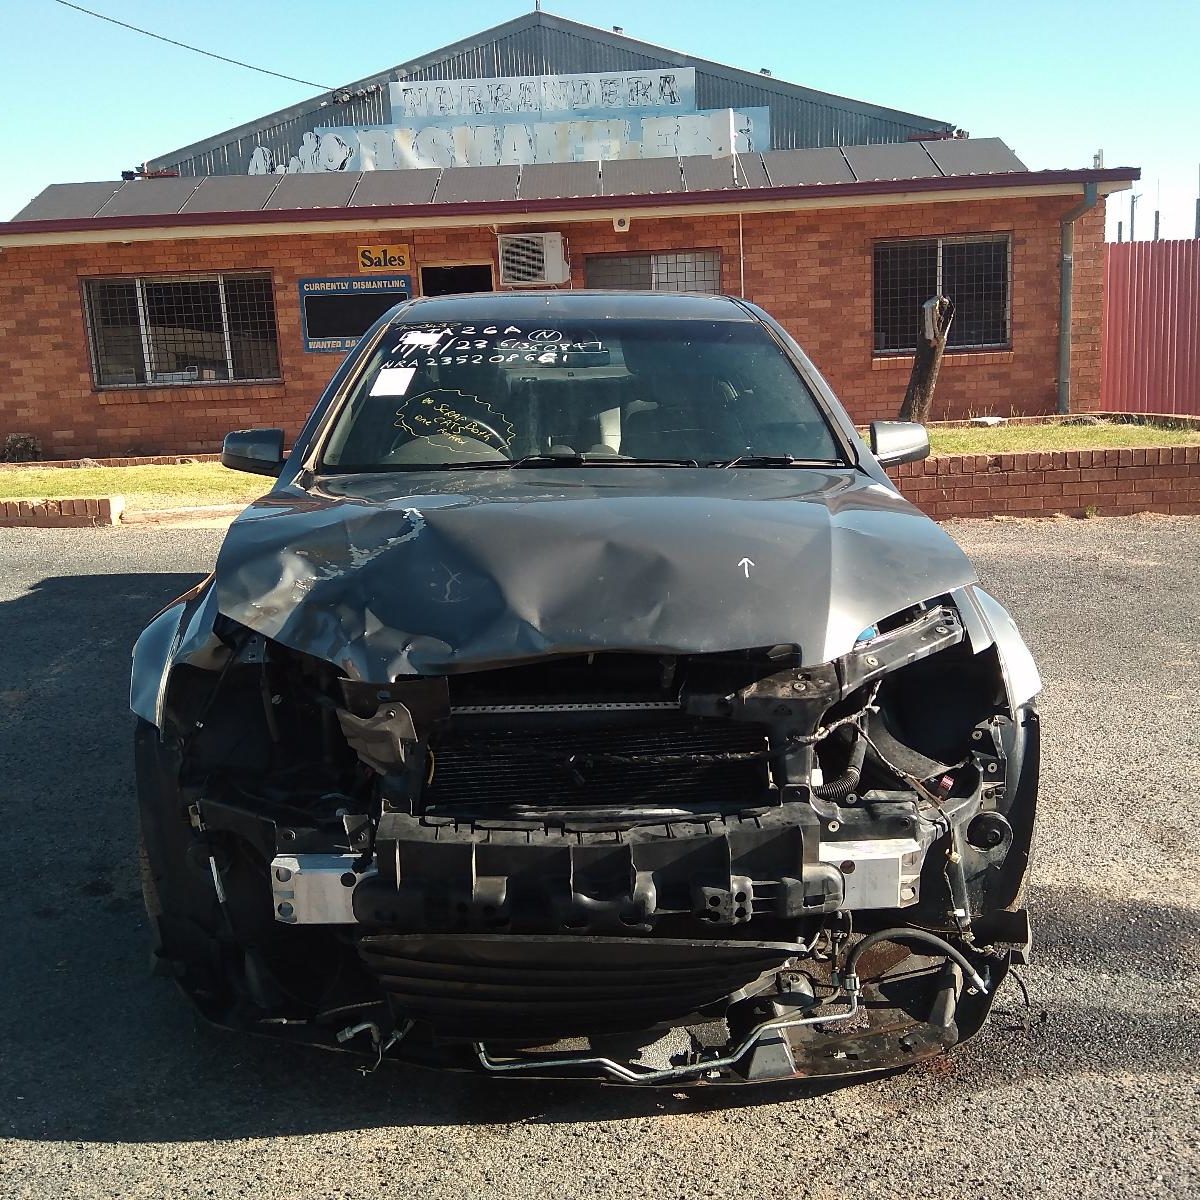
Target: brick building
{"type": "Point", "coordinates": [155, 314]}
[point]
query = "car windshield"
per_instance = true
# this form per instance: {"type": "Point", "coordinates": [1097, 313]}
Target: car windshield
{"type": "Point", "coordinates": [588, 392]}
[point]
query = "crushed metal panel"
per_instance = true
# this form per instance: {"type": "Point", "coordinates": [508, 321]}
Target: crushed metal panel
{"type": "Point", "coordinates": [463, 185]}
{"type": "Point", "coordinates": [640, 176]}
{"type": "Point", "coordinates": [231, 193]}
{"type": "Point", "coordinates": [703, 173]}
{"type": "Point", "coordinates": [789, 168]}
{"type": "Point", "coordinates": [69, 201]}
{"type": "Point", "coordinates": [556, 181]}
{"type": "Point", "coordinates": [332, 189]}
{"type": "Point", "coordinates": [973, 156]}
{"type": "Point", "coordinates": [284, 578]}
{"type": "Point", "coordinates": [149, 197]}
{"type": "Point", "coordinates": [902, 160]}
{"type": "Point", "coordinates": [414, 186]}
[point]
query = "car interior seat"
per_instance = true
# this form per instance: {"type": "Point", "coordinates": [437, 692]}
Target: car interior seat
{"type": "Point", "coordinates": [682, 416]}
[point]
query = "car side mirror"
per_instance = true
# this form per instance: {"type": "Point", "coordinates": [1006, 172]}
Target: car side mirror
{"type": "Point", "coordinates": [259, 451]}
{"type": "Point", "coordinates": [896, 442]}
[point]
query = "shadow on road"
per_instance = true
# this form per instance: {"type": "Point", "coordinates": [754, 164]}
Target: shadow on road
{"type": "Point", "coordinates": [95, 1049]}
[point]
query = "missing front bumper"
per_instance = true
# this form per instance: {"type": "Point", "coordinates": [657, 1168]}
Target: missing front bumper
{"type": "Point", "coordinates": [726, 872]}
{"type": "Point", "coordinates": [912, 1014]}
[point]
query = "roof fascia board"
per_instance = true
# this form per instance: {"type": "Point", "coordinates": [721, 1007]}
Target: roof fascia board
{"type": "Point", "coordinates": [758, 200]}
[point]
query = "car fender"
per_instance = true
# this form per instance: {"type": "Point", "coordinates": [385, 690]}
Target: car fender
{"type": "Point", "coordinates": [1021, 675]}
{"type": "Point", "coordinates": [181, 631]}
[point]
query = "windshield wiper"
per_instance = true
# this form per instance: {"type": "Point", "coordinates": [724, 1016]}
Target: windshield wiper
{"type": "Point", "coordinates": [770, 460]}
{"type": "Point", "coordinates": [484, 464]}
{"type": "Point", "coordinates": [588, 459]}
{"type": "Point", "coordinates": [507, 464]}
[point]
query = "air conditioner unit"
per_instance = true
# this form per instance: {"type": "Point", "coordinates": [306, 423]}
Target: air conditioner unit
{"type": "Point", "coordinates": [533, 260]}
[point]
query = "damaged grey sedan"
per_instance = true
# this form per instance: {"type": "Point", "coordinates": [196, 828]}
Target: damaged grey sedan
{"type": "Point", "coordinates": [583, 701]}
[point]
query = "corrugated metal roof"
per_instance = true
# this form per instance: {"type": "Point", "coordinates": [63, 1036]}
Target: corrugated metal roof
{"type": "Point", "coordinates": [465, 185]}
{"type": "Point", "coordinates": [232, 193]}
{"type": "Point", "coordinates": [326, 190]}
{"type": "Point", "coordinates": [144, 202]}
{"type": "Point", "coordinates": [788, 168]}
{"type": "Point", "coordinates": [751, 172]}
{"type": "Point", "coordinates": [36, 229]}
{"type": "Point", "coordinates": [540, 43]}
{"type": "Point", "coordinates": [472, 185]}
{"type": "Point", "coordinates": [544, 181]}
{"type": "Point", "coordinates": [640, 176]}
{"type": "Point", "coordinates": [703, 173]}
{"type": "Point", "coordinates": [904, 160]}
{"type": "Point", "coordinates": [65, 201]}
{"type": "Point", "coordinates": [394, 187]}
{"type": "Point", "coordinates": [973, 156]}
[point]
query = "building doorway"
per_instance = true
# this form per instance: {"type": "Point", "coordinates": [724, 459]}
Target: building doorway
{"type": "Point", "coordinates": [448, 281]}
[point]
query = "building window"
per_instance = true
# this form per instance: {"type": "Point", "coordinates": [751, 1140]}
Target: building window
{"type": "Point", "coordinates": [686, 271]}
{"type": "Point", "coordinates": [188, 329]}
{"type": "Point", "coordinates": [975, 272]}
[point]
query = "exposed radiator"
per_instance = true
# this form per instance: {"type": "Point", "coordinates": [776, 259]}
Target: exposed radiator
{"type": "Point", "coordinates": [634, 759]}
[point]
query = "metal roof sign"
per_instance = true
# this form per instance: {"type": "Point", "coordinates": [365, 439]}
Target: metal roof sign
{"type": "Point", "coordinates": [586, 95]}
{"type": "Point", "coordinates": [528, 119]}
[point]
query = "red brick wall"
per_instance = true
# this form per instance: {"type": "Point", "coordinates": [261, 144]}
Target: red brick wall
{"type": "Point", "coordinates": [58, 514]}
{"type": "Point", "coordinates": [811, 269]}
{"type": "Point", "coordinates": [1107, 483]}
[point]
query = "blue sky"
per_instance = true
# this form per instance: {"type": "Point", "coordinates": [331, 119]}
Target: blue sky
{"type": "Point", "coordinates": [1057, 80]}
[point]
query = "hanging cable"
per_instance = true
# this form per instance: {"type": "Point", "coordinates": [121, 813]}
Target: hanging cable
{"type": "Point", "coordinates": [194, 49]}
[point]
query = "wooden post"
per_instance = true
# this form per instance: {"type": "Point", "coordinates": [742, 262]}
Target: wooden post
{"type": "Point", "coordinates": [936, 315]}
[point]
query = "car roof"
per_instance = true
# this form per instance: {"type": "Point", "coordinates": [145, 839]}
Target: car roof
{"type": "Point", "coordinates": [586, 305]}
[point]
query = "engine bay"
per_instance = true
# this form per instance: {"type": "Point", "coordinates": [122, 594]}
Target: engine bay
{"type": "Point", "coordinates": [605, 847]}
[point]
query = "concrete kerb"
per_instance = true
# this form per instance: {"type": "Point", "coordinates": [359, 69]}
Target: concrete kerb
{"type": "Point", "coordinates": [205, 515]}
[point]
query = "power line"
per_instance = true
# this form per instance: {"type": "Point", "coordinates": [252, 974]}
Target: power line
{"type": "Point", "coordinates": [195, 49]}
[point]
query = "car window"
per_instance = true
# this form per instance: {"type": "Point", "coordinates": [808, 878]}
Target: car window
{"type": "Point", "coordinates": [444, 394]}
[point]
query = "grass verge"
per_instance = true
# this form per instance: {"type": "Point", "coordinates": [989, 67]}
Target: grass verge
{"type": "Point", "coordinates": [144, 488]}
{"type": "Point", "coordinates": [192, 484]}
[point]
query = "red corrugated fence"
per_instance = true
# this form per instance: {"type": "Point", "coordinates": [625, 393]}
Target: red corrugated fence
{"type": "Point", "coordinates": [1150, 356]}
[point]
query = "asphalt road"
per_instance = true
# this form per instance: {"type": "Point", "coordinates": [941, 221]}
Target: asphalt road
{"type": "Point", "coordinates": [109, 1088]}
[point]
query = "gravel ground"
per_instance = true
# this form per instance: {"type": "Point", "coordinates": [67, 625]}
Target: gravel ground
{"type": "Point", "coordinates": [108, 1087]}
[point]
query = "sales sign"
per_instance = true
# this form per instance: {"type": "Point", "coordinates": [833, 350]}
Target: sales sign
{"type": "Point", "coordinates": [384, 258]}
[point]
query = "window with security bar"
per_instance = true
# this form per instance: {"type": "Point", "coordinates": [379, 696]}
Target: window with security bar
{"type": "Point", "coordinates": [182, 329]}
{"type": "Point", "coordinates": [683, 271]}
{"type": "Point", "coordinates": [975, 272]}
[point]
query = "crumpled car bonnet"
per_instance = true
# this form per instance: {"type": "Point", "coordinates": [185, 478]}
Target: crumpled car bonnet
{"type": "Point", "coordinates": [433, 573]}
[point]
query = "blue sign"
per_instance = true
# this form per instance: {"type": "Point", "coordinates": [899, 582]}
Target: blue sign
{"type": "Point", "coordinates": [336, 312]}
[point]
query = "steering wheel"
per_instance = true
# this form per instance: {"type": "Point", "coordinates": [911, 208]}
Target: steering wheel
{"type": "Point", "coordinates": [451, 425]}
{"type": "Point", "coordinates": [502, 441]}
{"type": "Point", "coordinates": [436, 448]}
{"type": "Point", "coordinates": [801, 438]}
